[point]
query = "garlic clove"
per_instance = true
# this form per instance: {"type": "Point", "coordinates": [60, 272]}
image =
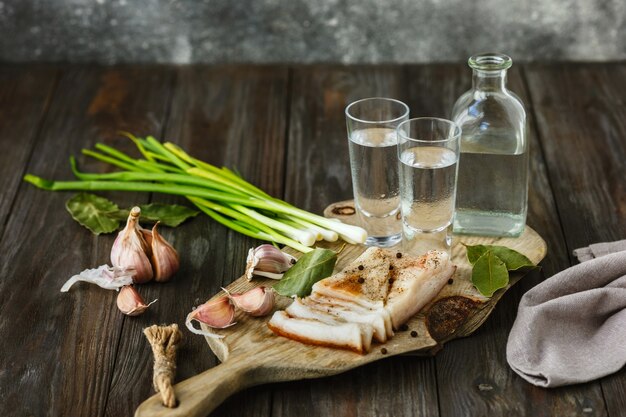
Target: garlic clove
{"type": "Point", "coordinates": [268, 261]}
{"type": "Point", "coordinates": [257, 302]}
{"type": "Point", "coordinates": [131, 250]}
{"type": "Point", "coordinates": [217, 314]}
{"type": "Point", "coordinates": [147, 236]}
{"type": "Point", "coordinates": [165, 261]}
{"type": "Point", "coordinates": [138, 260]}
{"type": "Point", "coordinates": [130, 302]}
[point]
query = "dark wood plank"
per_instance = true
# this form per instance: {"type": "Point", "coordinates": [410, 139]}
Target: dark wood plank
{"type": "Point", "coordinates": [230, 116]}
{"type": "Point", "coordinates": [58, 350]}
{"type": "Point", "coordinates": [24, 94]}
{"type": "Point", "coordinates": [581, 115]}
{"type": "Point", "coordinates": [473, 375]}
{"type": "Point", "coordinates": [399, 386]}
{"type": "Point", "coordinates": [318, 173]}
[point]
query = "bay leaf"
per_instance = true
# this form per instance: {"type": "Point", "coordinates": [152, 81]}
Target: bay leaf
{"type": "Point", "coordinates": [512, 258]}
{"type": "Point", "coordinates": [474, 252]}
{"type": "Point", "coordinates": [489, 274]}
{"type": "Point", "coordinates": [91, 211]}
{"type": "Point", "coordinates": [168, 214]}
{"type": "Point", "coordinates": [310, 268]}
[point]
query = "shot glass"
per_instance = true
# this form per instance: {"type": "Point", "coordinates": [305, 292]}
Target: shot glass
{"type": "Point", "coordinates": [372, 124]}
{"type": "Point", "coordinates": [428, 155]}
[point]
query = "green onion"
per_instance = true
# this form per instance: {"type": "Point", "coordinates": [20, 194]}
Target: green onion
{"type": "Point", "coordinates": [220, 193]}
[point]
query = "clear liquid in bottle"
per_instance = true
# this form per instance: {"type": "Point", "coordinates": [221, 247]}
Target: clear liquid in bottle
{"type": "Point", "coordinates": [492, 192]}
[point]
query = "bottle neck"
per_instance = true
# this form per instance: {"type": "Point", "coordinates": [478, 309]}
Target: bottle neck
{"type": "Point", "coordinates": [489, 81]}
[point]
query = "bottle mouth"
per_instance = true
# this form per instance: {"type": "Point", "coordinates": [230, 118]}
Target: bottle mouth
{"type": "Point", "coordinates": [490, 62]}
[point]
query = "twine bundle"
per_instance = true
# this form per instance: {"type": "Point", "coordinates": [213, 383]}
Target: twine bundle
{"type": "Point", "coordinates": [164, 341]}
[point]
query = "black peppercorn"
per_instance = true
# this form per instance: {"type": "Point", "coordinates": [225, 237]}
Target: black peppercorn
{"type": "Point", "coordinates": [361, 280]}
{"type": "Point", "coordinates": [383, 351]}
{"type": "Point", "coordinates": [360, 267]}
{"type": "Point", "coordinates": [450, 281]}
{"type": "Point", "coordinates": [413, 333]}
{"type": "Point", "coordinates": [398, 255]}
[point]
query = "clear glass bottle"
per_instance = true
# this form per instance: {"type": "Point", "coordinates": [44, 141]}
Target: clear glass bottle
{"type": "Point", "coordinates": [492, 191]}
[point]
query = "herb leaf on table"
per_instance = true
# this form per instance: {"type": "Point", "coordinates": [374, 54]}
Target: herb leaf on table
{"type": "Point", "coordinates": [310, 268]}
{"type": "Point", "coordinates": [492, 264]}
{"type": "Point", "coordinates": [100, 215]}
{"type": "Point", "coordinates": [513, 259]}
{"type": "Point", "coordinates": [170, 215]}
{"type": "Point", "coordinates": [489, 274]}
{"type": "Point", "coordinates": [91, 211]}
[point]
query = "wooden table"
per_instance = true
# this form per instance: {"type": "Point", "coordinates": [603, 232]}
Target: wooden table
{"type": "Point", "coordinates": [283, 128]}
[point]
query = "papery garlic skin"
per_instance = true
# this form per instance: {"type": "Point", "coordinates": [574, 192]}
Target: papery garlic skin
{"type": "Point", "coordinates": [104, 276]}
{"type": "Point", "coordinates": [218, 314]}
{"type": "Point", "coordinates": [257, 302]}
{"type": "Point", "coordinates": [130, 249]}
{"type": "Point", "coordinates": [165, 260]}
{"type": "Point", "coordinates": [268, 261]}
{"type": "Point", "coordinates": [130, 302]}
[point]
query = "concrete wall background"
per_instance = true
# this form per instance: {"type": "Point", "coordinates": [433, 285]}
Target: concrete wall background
{"type": "Point", "coordinates": [305, 31]}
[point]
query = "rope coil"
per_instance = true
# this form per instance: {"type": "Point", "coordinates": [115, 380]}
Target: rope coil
{"type": "Point", "coordinates": [164, 341]}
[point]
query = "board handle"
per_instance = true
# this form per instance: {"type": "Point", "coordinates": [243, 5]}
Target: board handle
{"type": "Point", "coordinates": [201, 394]}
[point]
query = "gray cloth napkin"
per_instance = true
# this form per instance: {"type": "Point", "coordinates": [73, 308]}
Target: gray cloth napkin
{"type": "Point", "coordinates": [571, 328]}
{"type": "Point", "coordinates": [597, 250]}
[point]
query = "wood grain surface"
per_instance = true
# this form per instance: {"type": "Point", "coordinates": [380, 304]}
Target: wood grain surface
{"type": "Point", "coordinates": [25, 92]}
{"type": "Point", "coordinates": [63, 346]}
{"type": "Point", "coordinates": [283, 127]}
{"type": "Point", "coordinates": [581, 119]}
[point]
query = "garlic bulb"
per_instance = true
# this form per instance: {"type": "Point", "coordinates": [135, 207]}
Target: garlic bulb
{"type": "Point", "coordinates": [257, 302]}
{"type": "Point", "coordinates": [131, 250]}
{"type": "Point", "coordinates": [218, 314]}
{"type": "Point", "coordinates": [164, 258]}
{"type": "Point", "coordinates": [130, 302]}
{"type": "Point", "coordinates": [268, 261]}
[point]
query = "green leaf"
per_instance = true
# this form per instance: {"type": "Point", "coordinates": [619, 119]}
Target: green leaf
{"type": "Point", "coordinates": [92, 211]}
{"type": "Point", "coordinates": [513, 259]}
{"type": "Point", "coordinates": [310, 268]}
{"type": "Point", "coordinates": [489, 274]}
{"type": "Point", "coordinates": [168, 214]}
{"type": "Point", "coordinates": [103, 216]}
{"type": "Point", "coordinates": [475, 252]}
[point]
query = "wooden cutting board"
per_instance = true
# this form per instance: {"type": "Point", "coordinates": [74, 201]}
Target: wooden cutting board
{"type": "Point", "coordinates": [252, 355]}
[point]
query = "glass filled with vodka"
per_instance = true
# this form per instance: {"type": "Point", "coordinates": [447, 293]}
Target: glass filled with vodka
{"type": "Point", "coordinates": [372, 124]}
{"type": "Point", "coordinates": [428, 155]}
